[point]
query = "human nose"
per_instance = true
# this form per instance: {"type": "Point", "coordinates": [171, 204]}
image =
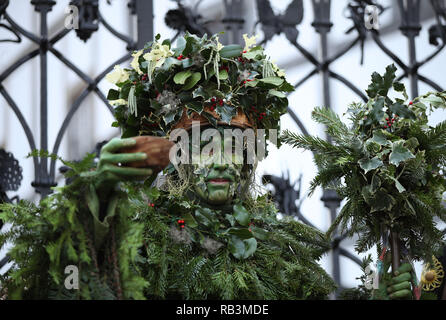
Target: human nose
{"type": "Point", "coordinates": [220, 166]}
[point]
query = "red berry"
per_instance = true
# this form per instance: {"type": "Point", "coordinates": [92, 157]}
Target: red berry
{"type": "Point", "coordinates": [385, 127]}
{"type": "Point", "coordinates": [411, 103]}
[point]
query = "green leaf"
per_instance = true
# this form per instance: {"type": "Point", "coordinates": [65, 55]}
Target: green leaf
{"type": "Point", "coordinates": [182, 76]}
{"type": "Point", "coordinates": [189, 220]}
{"type": "Point", "coordinates": [242, 249]}
{"type": "Point", "coordinates": [231, 51]}
{"type": "Point", "coordinates": [192, 80]}
{"type": "Point", "coordinates": [195, 106]}
{"type": "Point", "coordinates": [402, 111]}
{"type": "Point", "coordinates": [380, 138]}
{"type": "Point", "coordinates": [381, 84]}
{"type": "Point", "coordinates": [276, 93]}
{"type": "Point", "coordinates": [276, 81]}
{"type": "Point", "coordinates": [383, 201]}
{"type": "Point", "coordinates": [398, 185]}
{"type": "Point", "coordinates": [434, 101]}
{"type": "Point", "coordinates": [252, 54]}
{"type": "Point", "coordinates": [242, 233]}
{"type": "Point", "coordinates": [113, 94]}
{"type": "Point", "coordinates": [241, 215]}
{"type": "Point", "coordinates": [226, 112]}
{"type": "Point", "coordinates": [180, 45]}
{"type": "Point", "coordinates": [259, 233]}
{"type": "Point", "coordinates": [251, 247]}
{"type": "Point", "coordinates": [223, 74]}
{"type": "Point", "coordinates": [370, 164]}
{"type": "Point", "coordinates": [170, 62]}
{"type": "Point", "coordinates": [399, 153]}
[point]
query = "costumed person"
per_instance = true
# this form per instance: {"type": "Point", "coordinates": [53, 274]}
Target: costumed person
{"type": "Point", "coordinates": [199, 230]}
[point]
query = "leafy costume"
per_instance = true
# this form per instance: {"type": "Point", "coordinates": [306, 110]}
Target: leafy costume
{"type": "Point", "coordinates": [139, 241]}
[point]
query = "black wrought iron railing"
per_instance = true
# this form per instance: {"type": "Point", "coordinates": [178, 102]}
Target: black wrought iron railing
{"type": "Point", "coordinates": [189, 19]}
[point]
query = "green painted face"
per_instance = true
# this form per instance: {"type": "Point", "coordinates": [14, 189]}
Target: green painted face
{"type": "Point", "coordinates": [216, 183]}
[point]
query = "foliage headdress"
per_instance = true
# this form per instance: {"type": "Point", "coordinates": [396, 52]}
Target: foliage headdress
{"type": "Point", "coordinates": [166, 87]}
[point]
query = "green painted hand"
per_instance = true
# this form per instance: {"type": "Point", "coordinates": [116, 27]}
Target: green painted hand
{"type": "Point", "coordinates": [110, 169]}
{"type": "Point", "coordinates": [400, 284]}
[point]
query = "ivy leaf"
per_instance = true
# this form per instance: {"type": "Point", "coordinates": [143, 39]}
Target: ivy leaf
{"type": "Point", "coordinates": [398, 185]}
{"type": "Point", "coordinates": [231, 51]}
{"type": "Point", "coordinates": [399, 153]}
{"type": "Point", "coordinates": [252, 54]}
{"type": "Point", "coordinates": [182, 76]}
{"type": "Point", "coordinates": [382, 201]}
{"type": "Point", "coordinates": [275, 81]}
{"type": "Point", "coordinates": [180, 45]}
{"type": "Point", "coordinates": [241, 215]}
{"type": "Point", "coordinates": [276, 93]}
{"type": "Point", "coordinates": [170, 62]}
{"type": "Point", "coordinates": [380, 138]}
{"type": "Point", "coordinates": [434, 101]}
{"type": "Point", "coordinates": [370, 164]}
{"type": "Point", "coordinates": [192, 80]}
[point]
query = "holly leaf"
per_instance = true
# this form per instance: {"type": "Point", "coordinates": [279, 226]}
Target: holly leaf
{"type": "Point", "coordinates": [399, 153]}
{"type": "Point", "coordinates": [381, 84]}
{"type": "Point", "coordinates": [370, 164]}
{"type": "Point", "coordinates": [182, 76]}
{"type": "Point", "coordinates": [241, 215]}
{"type": "Point", "coordinates": [226, 112]}
{"type": "Point", "coordinates": [402, 111]}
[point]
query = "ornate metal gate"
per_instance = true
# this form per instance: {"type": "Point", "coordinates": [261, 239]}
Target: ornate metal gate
{"type": "Point", "coordinates": [187, 18]}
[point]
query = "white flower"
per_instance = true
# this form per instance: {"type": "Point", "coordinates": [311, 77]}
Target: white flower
{"type": "Point", "coordinates": [158, 54]}
{"type": "Point", "coordinates": [249, 42]}
{"type": "Point", "coordinates": [279, 72]}
{"type": "Point", "coordinates": [219, 45]}
{"type": "Point", "coordinates": [117, 102]}
{"type": "Point", "coordinates": [118, 75]}
{"type": "Point", "coordinates": [135, 62]}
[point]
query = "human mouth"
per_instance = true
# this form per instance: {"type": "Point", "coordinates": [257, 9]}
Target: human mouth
{"type": "Point", "coordinates": [219, 181]}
